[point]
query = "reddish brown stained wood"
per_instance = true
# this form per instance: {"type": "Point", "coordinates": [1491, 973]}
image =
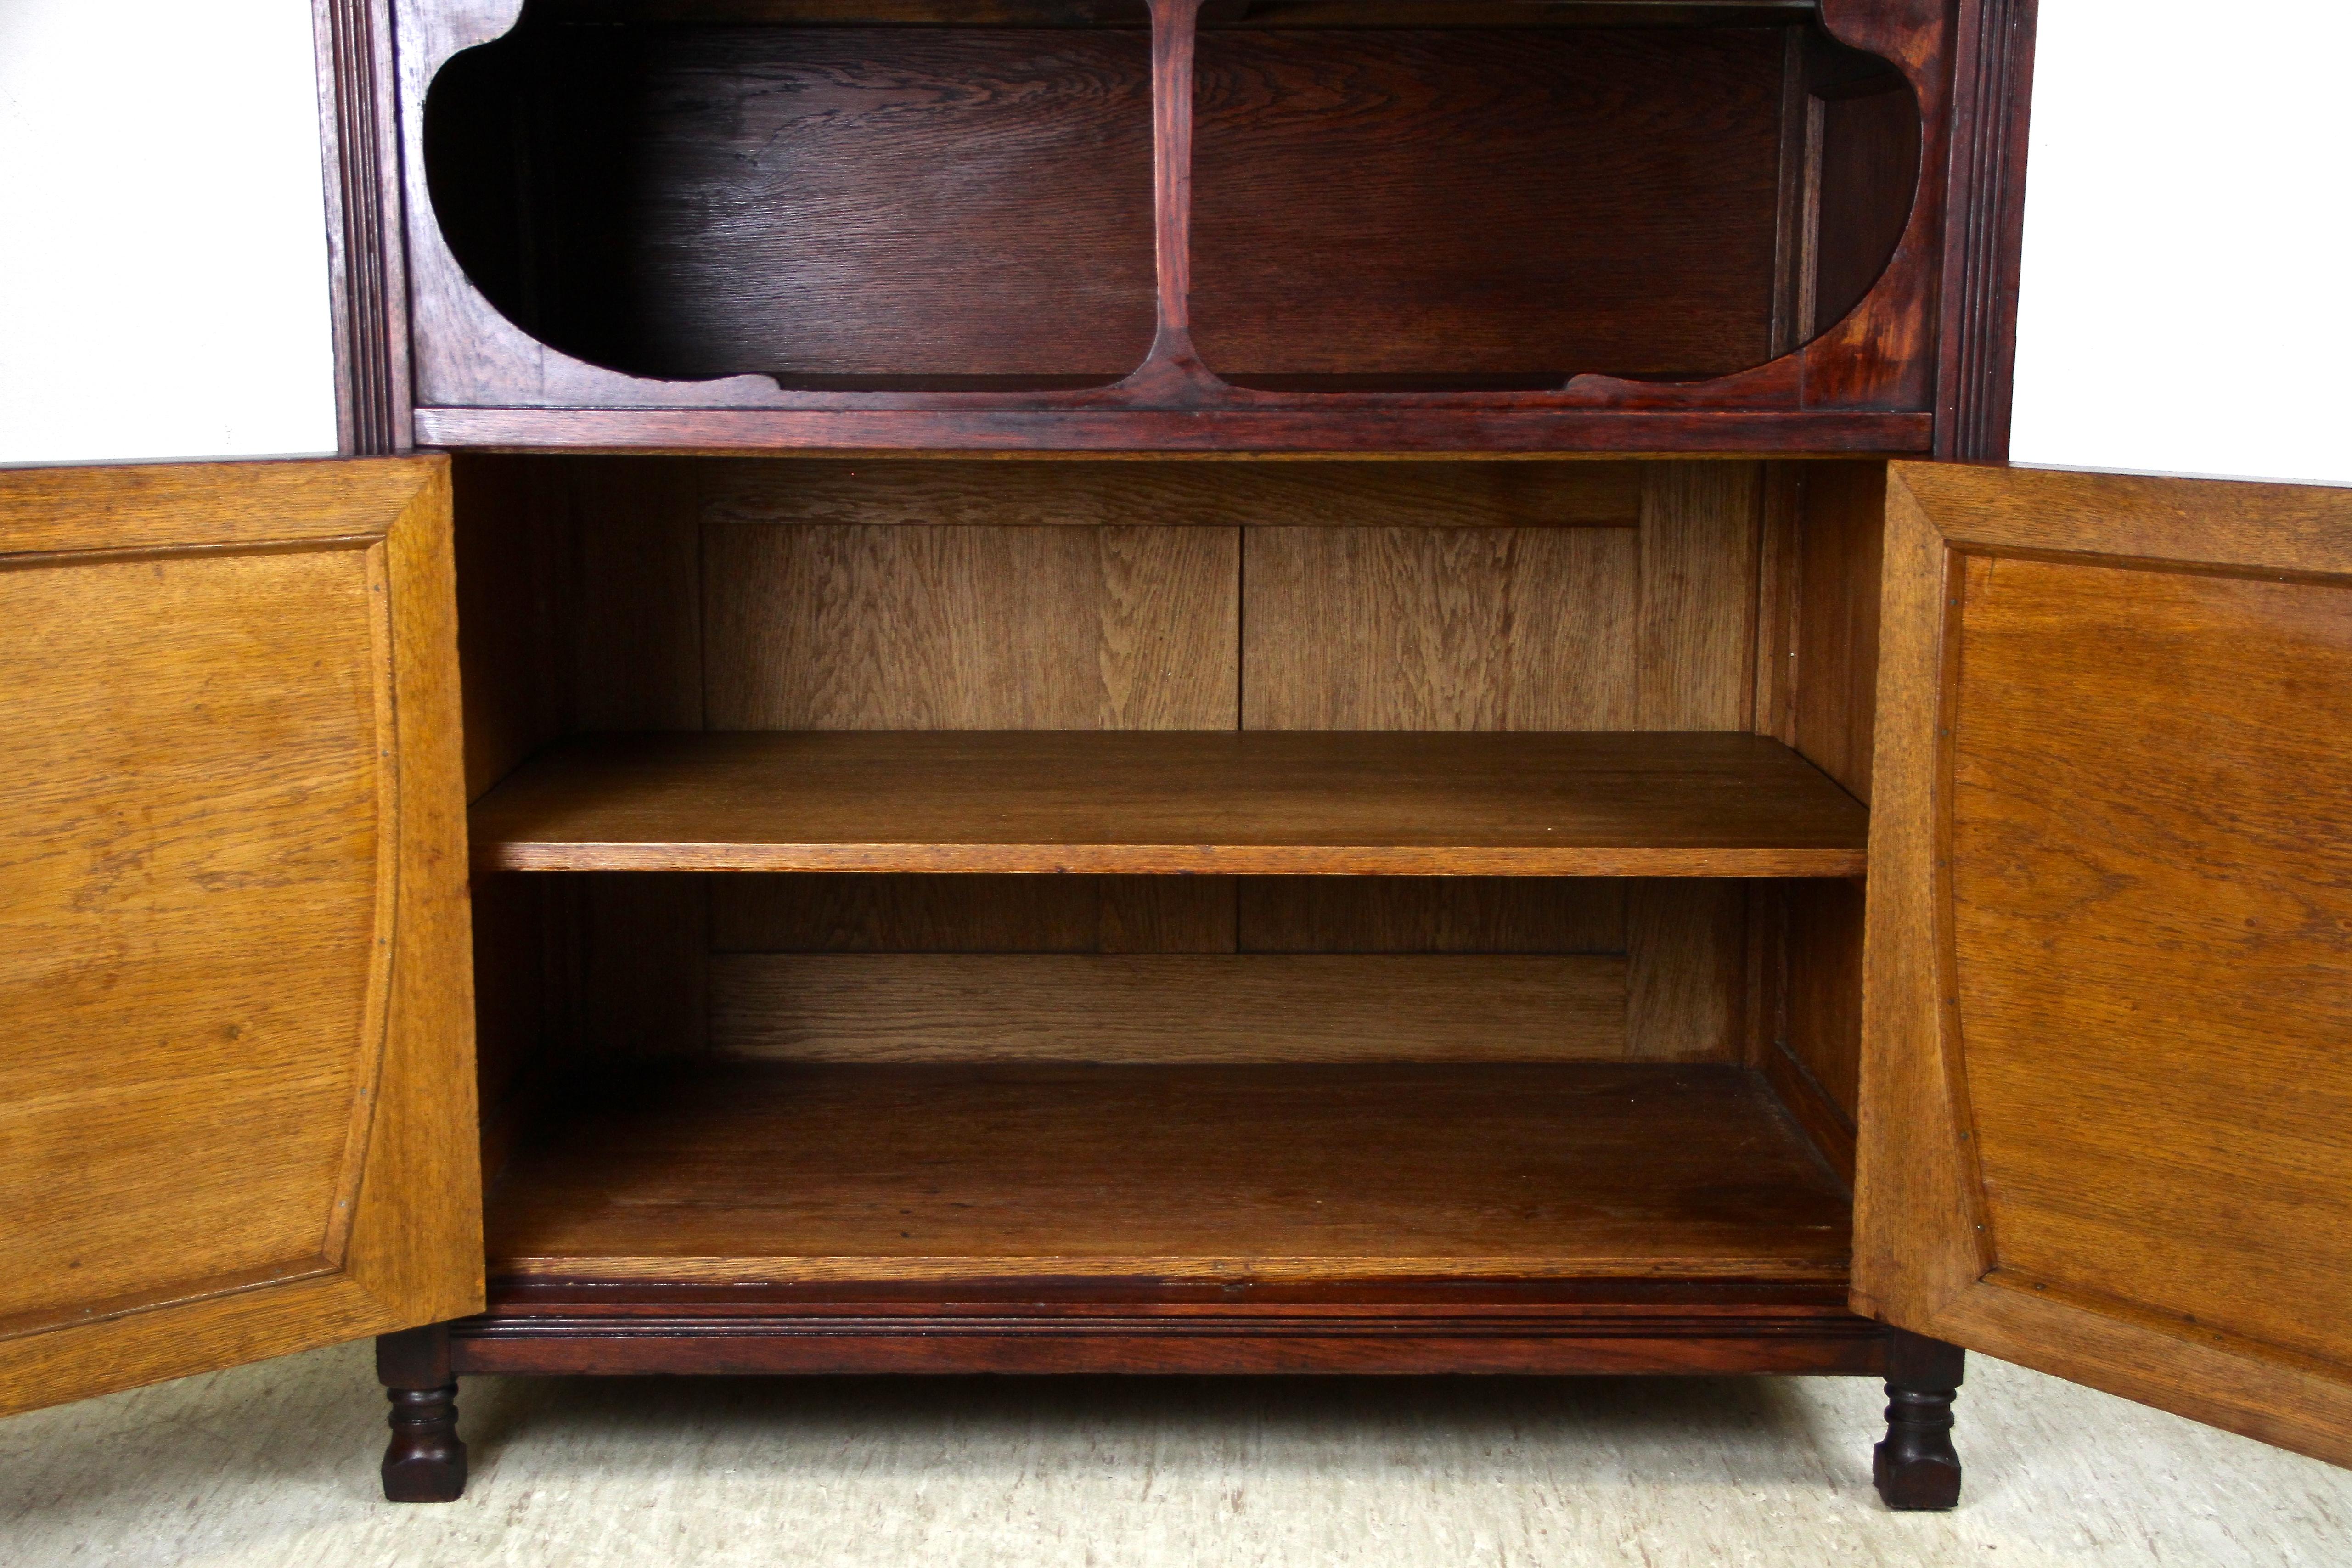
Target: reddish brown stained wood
{"type": "Point", "coordinates": [1245, 801]}
{"type": "Point", "coordinates": [1436, 427]}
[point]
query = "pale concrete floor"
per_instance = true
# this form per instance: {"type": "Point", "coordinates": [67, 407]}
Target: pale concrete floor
{"type": "Point", "coordinates": [273, 1464]}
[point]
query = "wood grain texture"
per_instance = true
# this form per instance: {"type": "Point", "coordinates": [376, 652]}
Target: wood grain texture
{"type": "Point", "coordinates": [1426, 629]}
{"type": "Point", "coordinates": [637, 550]}
{"type": "Point", "coordinates": [1822, 1029]}
{"type": "Point", "coordinates": [783, 1174]}
{"type": "Point", "coordinates": [1134, 801]}
{"type": "Point", "coordinates": [953, 914]}
{"type": "Point", "coordinates": [1514, 205]}
{"type": "Point", "coordinates": [1446, 424]}
{"type": "Point", "coordinates": [516, 627]}
{"type": "Point", "coordinates": [690, 202]}
{"type": "Point", "coordinates": [1686, 970]}
{"type": "Point", "coordinates": [1169, 1008]}
{"type": "Point", "coordinates": [1431, 915]}
{"type": "Point", "coordinates": [237, 1089]}
{"type": "Point", "coordinates": [1700, 536]}
{"type": "Point", "coordinates": [2105, 1114]}
{"type": "Point", "coordinates": [1340, 494]}
{"type": "Point", "coordinates": [1834, 656]}
{"type": "Point", "coordinates": [959, 628]}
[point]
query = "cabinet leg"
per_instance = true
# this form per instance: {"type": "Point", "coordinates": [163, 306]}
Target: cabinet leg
{"type": "Point", "coordinates": [424, 1462]}
{"type": "Point", "coordinates": [1916, 1467]}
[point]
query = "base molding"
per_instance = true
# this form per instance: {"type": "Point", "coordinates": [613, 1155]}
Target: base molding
{"type": "Point", "coordinates": [1534, 1328]}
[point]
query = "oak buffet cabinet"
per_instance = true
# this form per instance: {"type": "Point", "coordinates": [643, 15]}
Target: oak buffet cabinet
{"type": "Point", "coordinates": [1214, 685]}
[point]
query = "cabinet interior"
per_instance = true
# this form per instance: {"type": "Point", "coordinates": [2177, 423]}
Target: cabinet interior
{"type": "Point", "coordinates": [920, 1069]}
{"type": "Point", "coordinates": [1384, 196]}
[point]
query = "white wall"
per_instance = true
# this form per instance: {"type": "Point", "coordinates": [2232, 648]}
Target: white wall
{"type": "Point", "coordinates": [163, 243]}
{"type": "Point", "coordinates": [2187, 303]}
{"type": "Point", "coordinates": [2186, 309]}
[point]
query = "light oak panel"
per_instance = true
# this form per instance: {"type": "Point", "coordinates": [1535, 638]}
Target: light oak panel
{"type": "Point", "coordinates": [1134, 802]}
{"type": "Point", "coordinates": [970, 628]}
{"type": "Point", "coordinates": [1701, 524]}
{"type": "Point", "coordinates": [1428, 629]}
{"type": "Point", "coordinates": [925, 492]}
{"type": "Point", "coordinates": [235, 1052]}
{"type": "Point", "coordinates": [1686, 966]}
{"type": "Point", "coordinates": [792, 1172]}
{"type": "Point", "coordinates": [191, 929]}
{"type": "Point", "coordinates": [1179, 1007]}
{"type": "Point", "coordinates": [2106, 1109]}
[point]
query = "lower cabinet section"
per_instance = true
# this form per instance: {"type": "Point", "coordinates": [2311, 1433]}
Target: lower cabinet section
{"type": "Point", "coordinates": [752, 1217]}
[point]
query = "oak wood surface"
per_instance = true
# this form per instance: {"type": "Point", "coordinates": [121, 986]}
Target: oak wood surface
{"type": "Point", "coordinates": [1169, 1008]}
{"type": "Point", "coordinates": [236, 1084]}
{"type": "Point", "coordinates": [1236, 801]}
{"type": "Point", "coordinates": [2106, 1111]}
{"type": "Point", "coordinates": [1429, 629]}
{"type": "Point", "coordinates": [959, 628]}
{"type": "Point", "coordinates": [785, 1173]}
{"type": "Point", "coordinates": [1834, 651]}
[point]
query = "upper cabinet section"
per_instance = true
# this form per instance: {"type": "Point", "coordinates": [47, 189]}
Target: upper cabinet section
{"type": "Point", "coordinates": [1198, 224]}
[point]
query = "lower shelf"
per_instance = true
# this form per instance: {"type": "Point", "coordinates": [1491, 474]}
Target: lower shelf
{"type": "Point", "coordinates": [771, 1217]}
{"type": "Point", "coordinates": [787, 1174]}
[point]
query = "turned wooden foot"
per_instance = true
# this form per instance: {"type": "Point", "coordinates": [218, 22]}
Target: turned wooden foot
{"type": "Point", "coordinates": [1916, 1467]}
{"type": "Point", "coordinates": [424, 1462]}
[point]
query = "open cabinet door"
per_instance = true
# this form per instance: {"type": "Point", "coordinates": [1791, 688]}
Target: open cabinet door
{"type": "Point", "coordinates": [236, 1095]}
{"type": "Point", "coordinates": [2107, 1114]}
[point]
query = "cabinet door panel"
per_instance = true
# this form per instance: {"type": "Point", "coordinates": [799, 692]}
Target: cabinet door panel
{"type": "Point", "coordinates": [235, 1097]}
{"type": "Point", "coordinates": [2106, 1121]}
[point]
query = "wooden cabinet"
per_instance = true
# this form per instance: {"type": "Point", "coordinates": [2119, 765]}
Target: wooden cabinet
{"type": "Point", "coordinates": [1613, 860]}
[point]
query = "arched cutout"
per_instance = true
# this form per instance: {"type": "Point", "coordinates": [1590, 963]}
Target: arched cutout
{"type": "Point", "coordinates": [844, 195]}
{"type": "Point", "coordinates": [1504, 195]}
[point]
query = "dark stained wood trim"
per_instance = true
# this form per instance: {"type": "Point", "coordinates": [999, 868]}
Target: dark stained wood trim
{"type": "Point", "coordinates": [1552, 1327]}
{"type": "Point", "coordinates": [358, 142]}
{"type": "Point", "coordinates": [1427, 429]}
{"type": "Point", "coordinates": [1993, 93]}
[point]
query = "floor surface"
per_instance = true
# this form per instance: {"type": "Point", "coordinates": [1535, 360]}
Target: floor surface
{"type": "Point", "coordinates": [275, 1465]}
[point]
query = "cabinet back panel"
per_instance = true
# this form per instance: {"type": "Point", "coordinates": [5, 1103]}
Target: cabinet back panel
{"type": "Point", "coordinates": [812, 203]}
{"type": "Point", "coordinates": [848, 627]}
{"type": "Point", "coordinates": [1486, 203]}
{"type": "Point", "coordinates": [1182, 1007]}
{"type": "Point", "coordinates": [676, 593]}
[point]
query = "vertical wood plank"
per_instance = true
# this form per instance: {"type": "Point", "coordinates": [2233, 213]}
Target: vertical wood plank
{"type": "Point", "coordinates": [1686, 956]}
{"type": "Point", "coordinates": [970, 627]}
{"type": "Point", "coordinates": [644, 976]}
{"type": "Point", "coordinates": [1458, 629]}
{"type": "Point", "coordinates": [513, 544]}
{"type": "Point", "coordinates": [1840, 547]}
{"type": "Point", "coordinates": [1433, 914]}
{"type": "Point", "coordinates": [639, 597]}
{"type": "Point", "coordinates": [1700, 530]}
{"type": "Point", "coordinates": [904, 914]}
{"type": "Point", "coordinates": [1165, 914]}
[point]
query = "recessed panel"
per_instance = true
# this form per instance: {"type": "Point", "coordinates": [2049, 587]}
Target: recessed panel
{"type": "Point", "coordinates": [190, 974]}
{"type": "Point", "coordinates": [2152, 918]}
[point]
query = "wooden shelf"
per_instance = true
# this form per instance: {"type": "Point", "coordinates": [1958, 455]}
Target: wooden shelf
{"type": "Point", "coordinates": [1264, 802]}
{"type": "Point", "coordinates": [794, 1173]}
